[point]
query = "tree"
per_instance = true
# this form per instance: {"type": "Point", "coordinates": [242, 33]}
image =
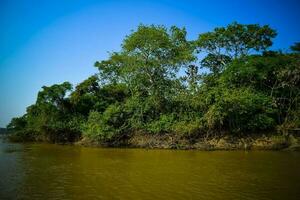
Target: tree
{"type": "Point", "coordinates": [296, 47]}
{"type": "Point", "coordinates": [85, 95]}
{"type": "Point", "coordinates": [276, 75]}
{"type": "Point", "coordinates": [231, 42]}
{"type": "Point", "coordinates": [215, 63]}
{"type": "Point", "coordinates": [51, 118]}
{"type": "Point", "coordinates": [192, 77]}
{"type": "Point", "coordinates": [149, 59]}
{"type": "Point", "coordinates": [148, 64]}
{"type": "Point", "coordinates": [140, 89]}
{"type": "Point", "coordinates": [55, 95]}
{"type": "Point", "coordinates": [17, 123]}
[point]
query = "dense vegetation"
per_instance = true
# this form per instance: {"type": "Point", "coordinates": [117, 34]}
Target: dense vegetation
{"type": "Point", "coordinates": [224, 82]}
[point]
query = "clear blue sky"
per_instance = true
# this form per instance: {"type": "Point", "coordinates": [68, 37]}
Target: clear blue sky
{"type": "Point", "coordinates": [46, 42]}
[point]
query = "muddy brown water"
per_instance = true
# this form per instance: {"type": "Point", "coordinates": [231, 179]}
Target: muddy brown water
{"type": "Point", "coordinates": [48, 171]}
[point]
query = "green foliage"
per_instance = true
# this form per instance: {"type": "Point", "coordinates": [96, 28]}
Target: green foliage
{"type": "Point", "coordinates": [50, 118]}
{"type": "Point", "coordinates": [93, 127]}
{"type": "Point", "coordinates": [54, 94]}
{"type": "Point", "coordinates": [17, 126]}
{"type": "Point", "coordinates": [239, 110]}
{"type": "Point", "coordinates": [276, 75]}
{"type": "Point", "coordinates": [234, 41]}
{"type": "Point", "coordinates": [187, 129]}
{"type": "Point", "coordinates": [237, 40]}
{"type": "Point", "coordinates": [111, 124]}
{"type": "Point", "coordinates": [85, 96]}
{"type": "Point", "coordinates": [296, 47]}
{"type": "Point", "coordinates": [141, 89]}
{"type": "Point", "coordinates": [162, 125]}
{"type": "Point", "coordinates": [17, 123]}
{"type": "Point", "coordinates": [89, 95]}
{"type": "Point", "coordinates": [215, 63]}
{"type": "Point", "coordinates": [149, 60]}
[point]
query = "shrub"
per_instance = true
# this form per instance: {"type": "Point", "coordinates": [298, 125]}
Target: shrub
{"type": "Point", "coordinates": [106, 126]}
{"type": "Point", "coordinates": [240, 110]}
{"type": "Point", "coordinates": [161, 125]}
{"type": "Point", "coordinates": [187, 128]}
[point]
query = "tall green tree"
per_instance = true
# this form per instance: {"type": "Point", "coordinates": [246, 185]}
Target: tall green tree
{"type": "Point", "coordinates": [149, 60]}
{"type": "Point", "coordinates": [231, 42]}
{"type": "Point", "coordinates": [148, 63]}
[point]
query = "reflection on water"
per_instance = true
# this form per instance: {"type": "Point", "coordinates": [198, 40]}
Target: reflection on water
{"type": "Point", "coordinates": [45, 171]}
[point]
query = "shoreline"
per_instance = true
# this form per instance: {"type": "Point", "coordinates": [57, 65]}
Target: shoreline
{"type": "Point", "coordinates": [225, 143]}
{"type": "Point", "coordinates": [271, 142]}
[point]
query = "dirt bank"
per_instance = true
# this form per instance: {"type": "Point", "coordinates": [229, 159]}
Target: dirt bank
{"type": "Point", "coordinates": [168, 141]}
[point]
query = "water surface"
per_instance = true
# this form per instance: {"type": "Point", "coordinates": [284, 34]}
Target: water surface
{"type": "Point", "coordinates": [47, 171]}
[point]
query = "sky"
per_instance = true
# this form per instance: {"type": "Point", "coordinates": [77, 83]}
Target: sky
{"type": "Point", "coordinates": [46, 42]}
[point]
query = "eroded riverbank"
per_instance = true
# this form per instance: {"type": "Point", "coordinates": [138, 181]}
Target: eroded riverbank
{"type": "Point", "coordinates": [259, 142]}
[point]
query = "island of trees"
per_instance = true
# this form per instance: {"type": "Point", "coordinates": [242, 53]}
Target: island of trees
{"type": "Point", "coordinates": [163, 90]}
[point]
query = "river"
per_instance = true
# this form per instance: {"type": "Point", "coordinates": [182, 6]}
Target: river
{"type": "Point", "coordinates": [48, 171]}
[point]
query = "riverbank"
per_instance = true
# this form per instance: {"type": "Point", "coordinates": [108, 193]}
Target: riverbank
{"type": "Point", "coordinates": [227, 142]}
{"type": "Point", "coordinates": [258, 142]}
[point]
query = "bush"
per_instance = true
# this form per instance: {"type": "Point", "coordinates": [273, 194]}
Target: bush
{"type": "Point", "coordinates": [162, 125]}
{"type": "Point", "coordinates": [106, 126]}
{"type": "Point", "coordinates": [187, 128]}
{"type": "Point", "coordinates": [21, 136]}
{"type": "Point", "coordinates": [240, 110]}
